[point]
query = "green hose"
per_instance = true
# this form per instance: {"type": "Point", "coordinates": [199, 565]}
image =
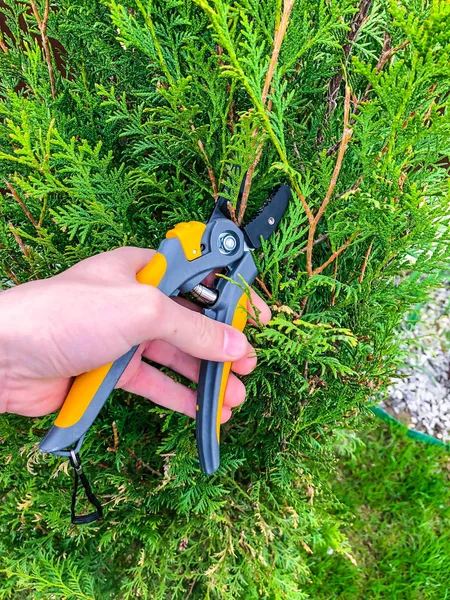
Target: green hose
{"type": "Point", "coordinates": [424, 438]}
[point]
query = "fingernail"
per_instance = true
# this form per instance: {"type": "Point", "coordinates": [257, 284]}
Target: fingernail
{"type": "Point", "coordinates": [234, 343]}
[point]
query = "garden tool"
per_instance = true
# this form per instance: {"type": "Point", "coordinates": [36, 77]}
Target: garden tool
{"type": "Point", "coordinates": [188, 254]}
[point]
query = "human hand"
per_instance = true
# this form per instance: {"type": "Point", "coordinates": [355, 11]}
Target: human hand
{"type": "Point", "coordinates": [90, 315]}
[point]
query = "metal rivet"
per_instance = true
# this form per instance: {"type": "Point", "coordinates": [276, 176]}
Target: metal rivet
{"type": "Point", "coordinates": [271, 221]}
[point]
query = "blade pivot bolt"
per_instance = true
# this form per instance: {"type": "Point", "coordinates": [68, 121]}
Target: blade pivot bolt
{"type": "Point", "coordinates": [227, 243]}
{"type": "Point", "coordinates": [271, 220]}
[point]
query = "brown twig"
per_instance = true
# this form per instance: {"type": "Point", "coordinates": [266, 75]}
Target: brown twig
{"type": "Point", "coordinates": [146, 465]}
{"type": "Point", "coordinates": [280, 31]}
{"type": "Point", "coordinates": [358, 21]}
{"type": "Point", "coordinates": [116, 438]}
{"type": "Point", "coordinates": [319, 240]}
{"type": "Point", "coordinates": [22, 205]}
{"type": "Point", "coordinates": [25, 249]}
{"type": "Point", "coordinates": [334, 255]}
{"type": "Point", "coordinates": [191, 589]}
{"type": "Point", "coordinates": [263, 286]}
{"type": "Point", "coordinates": [232, 212]}
{"type": "Point", "coordinates": [3, 45]}
{"type": "Point", "coordinates": [42, 24]}
{"type": "Point", "coordinates": [366, 259]}
{"type": "Point", "coordinates": [386, 53]}
{"type": "Point", "coordinates": [335, 269]}
{"type": "Point", "coordinates": [346, 135]}
{"type": "Point", "coordinates": [12, 277]}
{"type": "Point", "coordinates": [352, 188]}
{"type": "Point", "coordinates": [211, 175]}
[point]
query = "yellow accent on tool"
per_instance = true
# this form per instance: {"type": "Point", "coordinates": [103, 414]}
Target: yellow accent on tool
{"type": "Point", "coordinates": [86, 385]}
{"type": "Point", "coordinates": [80, 396]}
{"type": "Point", "coordinates": [239, 321]}
{"type": "Point", "coordinates": [190, 236]}
{"type": "Point", "coordinates": [152, 273]}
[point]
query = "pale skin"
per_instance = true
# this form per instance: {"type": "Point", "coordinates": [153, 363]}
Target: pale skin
{"type": "Point", "coordinates": [54, 329]}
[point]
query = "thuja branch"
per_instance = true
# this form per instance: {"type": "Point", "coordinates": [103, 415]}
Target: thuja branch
{"type": "Point", "coordinates": [333, 89]}
{"type": "Point", "coordinates": [366, 260]}
{"type": "Point", "coordinates": [22, 205]}
{"type": "Point", "coordinates": [42, 24]}
{"type": "Point", "coordinates": [280, 31]}
{"type": "Point", "coordinates": [334, 255]}
{"type": "Point", "coordinates": [208, 166]}
{"type": "Point", "coordinates": [3, 47]}
{"type": "Point", "coordinates": [314, 220]}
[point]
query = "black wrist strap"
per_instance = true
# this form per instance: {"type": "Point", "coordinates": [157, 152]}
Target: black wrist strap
{"type": "Point", "coordinates": [81, 477]}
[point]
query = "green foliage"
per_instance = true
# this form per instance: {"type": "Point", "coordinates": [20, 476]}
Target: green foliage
{"type": "Point", "coordinates": [394, 494]}
{"type": "Point", "coordinates": [154, 103]}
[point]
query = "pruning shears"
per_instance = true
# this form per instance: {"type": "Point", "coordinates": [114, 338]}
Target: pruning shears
{"type": "Point", "coordinates": [188, 254]}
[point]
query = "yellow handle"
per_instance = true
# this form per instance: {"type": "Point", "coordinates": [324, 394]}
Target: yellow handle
{"type": "Point", "coordinates": [239, 321]}
{"type": "Point", "coordinates": [86, 385]}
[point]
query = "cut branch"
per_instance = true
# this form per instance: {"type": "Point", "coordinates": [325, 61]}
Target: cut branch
{"type": "Point", "coordinates": [42, 24]}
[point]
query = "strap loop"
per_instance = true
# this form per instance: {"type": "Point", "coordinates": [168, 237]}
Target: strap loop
{"type": "Point", "coordinates": [75, 461]}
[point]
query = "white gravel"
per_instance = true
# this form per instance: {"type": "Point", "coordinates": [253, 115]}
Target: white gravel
{"type": "Point", "coordinates": [421, 396]}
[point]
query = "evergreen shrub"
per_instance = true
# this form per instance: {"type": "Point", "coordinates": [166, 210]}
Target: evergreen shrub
{"type": "Point", "coordinates": [119, 120]}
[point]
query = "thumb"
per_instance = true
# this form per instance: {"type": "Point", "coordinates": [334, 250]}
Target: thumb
{"type": "Point", "coordinates": [159, 317]}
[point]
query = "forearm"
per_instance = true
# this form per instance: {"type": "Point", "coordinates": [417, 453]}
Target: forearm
{"type": "Point", "coordinates": [6, 299]}
{"type": "Point", "coordinates": [14, 317]}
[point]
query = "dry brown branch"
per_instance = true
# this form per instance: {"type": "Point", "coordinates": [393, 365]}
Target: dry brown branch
{"type": "Point", "coordinates": [263, 286]}
{"type": "Point", "coordinates": [116, 438]}
{"type": "Point", "coordinates": [280, 31]}
{"type": "Point", "coordinates": [232, 212]}
{"type": "Point", "coordinates": [12, 277]}
{"type": "Point", "coordinates": [433, 103]}
{"type": "Point", "coordinates": [141, 463]}
{"type": "Point", "coordinates": [335, 269]}
{"type": "Point", "coordinates": [3, 45]}
{"type": "Point", "coordinates": [319, 240]}
{"type": "Point", "coordinates": [334, 255]}
{"type": "Point", "coordinates": [352, 188]}
{"type": "Point", "coordinates": [346, 135]}
{"type": "Point", "coordinates": [358, 21]}
{"type": "Point", "coordinates": [25, 250]}
{"type": "Point", "coordinates": [22, 205]}
{"type": "Point", "coordinates": [191, 589]}
{"type": "Point", "coordinates": [306, 547]}
{"type": "Point", "coordinates": [386, 53]}
{"type": "Point", "coordinates": [366, 259]}
{"type": "Point", "coordinates": [208, 166]}
{"type": "Point", "coordinates": [42, 24]}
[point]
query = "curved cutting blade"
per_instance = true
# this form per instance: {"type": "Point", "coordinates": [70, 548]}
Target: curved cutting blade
{"type": "Point", "coordinates": [268, 217]}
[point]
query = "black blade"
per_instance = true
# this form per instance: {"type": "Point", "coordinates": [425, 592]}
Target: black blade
{"type": "Point", "coordinates": [268, 217]}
